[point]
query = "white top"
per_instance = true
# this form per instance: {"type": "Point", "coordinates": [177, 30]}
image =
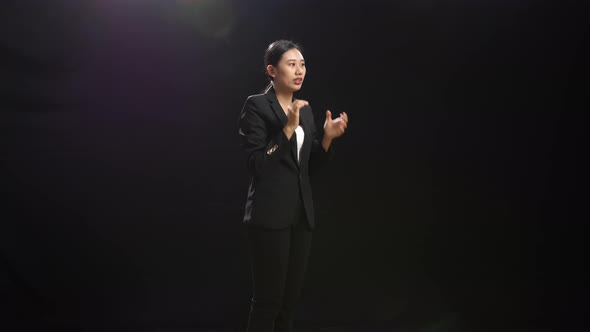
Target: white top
{"type": "Point", "coordinates": [300, 136]}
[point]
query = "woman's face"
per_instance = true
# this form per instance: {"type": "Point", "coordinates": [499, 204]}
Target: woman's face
{"type": "Point", "coordinates": [290, 71]}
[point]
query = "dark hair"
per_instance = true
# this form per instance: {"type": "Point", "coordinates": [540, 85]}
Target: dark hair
{"type": "Point", "coordinates": [274, 52]}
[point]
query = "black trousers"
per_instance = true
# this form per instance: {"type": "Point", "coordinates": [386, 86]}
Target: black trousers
{"type": "Point", "coordinates": [279, 260]}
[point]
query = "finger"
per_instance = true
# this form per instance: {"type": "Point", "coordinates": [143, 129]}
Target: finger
{"type": "Point", "coordinates": [345, 117]}
{"type": "Point", "coordinates": [298, 104]}
{"type": "Point", "coordinates": [328, 115]}
{"type": "Point", "coordinates": [341, 122]}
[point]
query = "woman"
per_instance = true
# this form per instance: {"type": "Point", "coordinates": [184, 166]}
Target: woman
{"type": "Point", "coordinates": [278, 135]}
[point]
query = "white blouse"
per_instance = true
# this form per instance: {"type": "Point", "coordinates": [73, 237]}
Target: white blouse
{"type": "Point", "coordinates": [300, 136]}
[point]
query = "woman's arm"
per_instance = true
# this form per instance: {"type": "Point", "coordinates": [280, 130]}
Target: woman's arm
{"type": "Point", "coordinates": [321, 149]}
{"type": "Point", "coordinates": [321, 152]}
{"type": "Point", "coordinates": [261, 150]}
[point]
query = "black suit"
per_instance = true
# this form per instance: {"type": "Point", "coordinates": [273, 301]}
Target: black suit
{"type": "Point", "coordinates": [279, 208]}
{"type": "Point", "coordinates": [277, 180]}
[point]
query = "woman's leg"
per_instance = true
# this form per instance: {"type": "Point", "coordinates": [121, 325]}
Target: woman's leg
{"type": "Point", "coordinates": [298, 259]}
{"type": "Point", "coordinates": [269, 256]}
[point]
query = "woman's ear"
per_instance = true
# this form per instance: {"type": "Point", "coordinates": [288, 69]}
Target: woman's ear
{"type": "Point", "coordinates": [270, 70]}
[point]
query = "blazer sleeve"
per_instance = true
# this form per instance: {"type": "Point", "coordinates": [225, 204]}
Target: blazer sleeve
{"type": "Point", "coordinates": [262, 152]}
{"type": "Point", "coordinates": [319, 157]}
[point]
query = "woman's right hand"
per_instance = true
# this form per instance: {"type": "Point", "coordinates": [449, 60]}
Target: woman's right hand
{"type": "Point", "coordinates": [293, 116]}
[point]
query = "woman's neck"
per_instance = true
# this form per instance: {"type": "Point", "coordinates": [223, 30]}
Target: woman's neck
{"type": "Point", "coordinates": [285, 97]}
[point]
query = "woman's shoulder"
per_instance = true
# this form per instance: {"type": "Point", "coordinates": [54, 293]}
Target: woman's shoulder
{"type": "Point", "coordinates": [257, 98]}
{"type": "Point", "coordinates": [256, 102]}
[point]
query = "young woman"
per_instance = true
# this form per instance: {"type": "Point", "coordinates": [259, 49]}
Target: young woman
{"type": "Point", "coordinates": [278, 135]}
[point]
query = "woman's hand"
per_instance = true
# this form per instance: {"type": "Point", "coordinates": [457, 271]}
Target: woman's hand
{"type": "Point", "coordinates": [293, 116]}
{"type": "Point", "coordinates": [335, 128]}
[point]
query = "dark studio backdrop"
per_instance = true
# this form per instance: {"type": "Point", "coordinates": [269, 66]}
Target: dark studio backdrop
{"type": "Point", "coordinates": [453, 203]}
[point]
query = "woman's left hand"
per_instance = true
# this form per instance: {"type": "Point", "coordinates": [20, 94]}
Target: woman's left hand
{"type": "Point", "coordinates": [336, 127]}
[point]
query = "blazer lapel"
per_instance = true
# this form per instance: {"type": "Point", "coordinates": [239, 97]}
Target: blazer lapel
{"type": "Point", "coordinates": [304, 125]}
{"type": "Point", "coordinates": [278, 110]}
{"type": "Point", "coordinates": [276, 107]}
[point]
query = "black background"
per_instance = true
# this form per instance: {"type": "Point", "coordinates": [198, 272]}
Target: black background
{"type": "Point", "coordinates": [456, 201]}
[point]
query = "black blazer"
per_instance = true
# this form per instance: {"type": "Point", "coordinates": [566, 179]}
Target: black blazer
{"type": "Point", "coordinates": [277, 181]}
